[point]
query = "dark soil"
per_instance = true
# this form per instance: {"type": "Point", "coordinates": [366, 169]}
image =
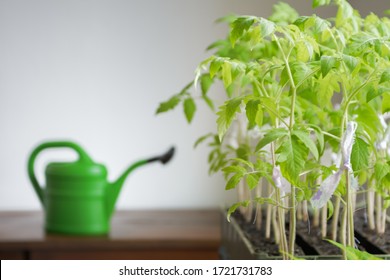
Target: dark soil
{"type": "Point", "coordinates": [312, 237]}
{"type": "Point", "coordinates": [309, 240]}
{"type": "Point", "coordinates": [376, 244]}
{"type": "Point", "coordinates": [257, 239]}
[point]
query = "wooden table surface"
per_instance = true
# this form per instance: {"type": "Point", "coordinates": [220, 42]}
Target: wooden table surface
{"type": "Point", "coordinates": [165, 234]}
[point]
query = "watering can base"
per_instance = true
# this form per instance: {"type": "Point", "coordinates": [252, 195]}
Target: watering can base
{"type": "Point", "coordinates": [60, 229]}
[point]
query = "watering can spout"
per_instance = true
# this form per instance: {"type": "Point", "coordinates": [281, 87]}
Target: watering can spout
{"type": "Point", "coordinates": [115, 187]}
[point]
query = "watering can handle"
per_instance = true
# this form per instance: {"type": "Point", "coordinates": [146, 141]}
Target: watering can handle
{"type": "Point", "coordinates": [58, 144]}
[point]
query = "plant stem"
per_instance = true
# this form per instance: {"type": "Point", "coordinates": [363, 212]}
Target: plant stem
{"type": "Point", "coordinates": [370, 196]}
{"type": "Point", "coordinates": [324, 228]}
{"type": "Point", "coordinates": [349, 208]}
{"type": "Point", "coordinates": [378, 212]}
{"type": "Point", "coordinates": [343, 228]}
{"type": "Point", "coordinates": [259, 214]}
{"type": "Point", "coordinates": [277, 233]}
{"type": "Point", "coordinates": [335, 219]}
{"type": "Point", "coordinates": [293, 221]}
{"type": "Point", "coordinates": [316, 218]}
{"type": "Point", "coordinates": [268, 222]}
{"type": "Point", "coordinates": [283, 238]}
{"type": "Point", "coordinates": [305, 212]}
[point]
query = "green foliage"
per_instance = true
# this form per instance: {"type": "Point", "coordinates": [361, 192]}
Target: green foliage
{"type": "Point", "coordinates": [294, 82]}
{"type": "Point", "coordinates": [360, 155]}
{"type": "Point", "coordinates": [226, 115]}
{"type": "Point", "coordinates": [354, 254]}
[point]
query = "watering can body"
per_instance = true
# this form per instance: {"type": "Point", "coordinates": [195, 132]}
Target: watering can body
{"type": "Point", "coordinates": [77, 198]}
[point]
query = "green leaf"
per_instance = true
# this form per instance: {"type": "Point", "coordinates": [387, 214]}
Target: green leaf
{"type": "Point", "coordinates": [307, 141]}
{"type": "Point", "coordinates": [202, 138]}
{"type": "Point", "coordinates": [352, 253]}
{"type": "Point", "coordinates": [239, 26]}
{"type": "Point", "coordinates": [385, 77]}
{"type": "Point", "coordinates": [300, 71]}
{"type": "Point", "coordinates": [351, 62]}
{"type": "Point", "coordinates": [292, 158]}
{"type": "Point", "coordinates": [386, 102]}
{"type": "Point", "coordinates": [283, 14]}
{"type": "Point", "coordinates": [215, 65]}
{"type": "Point", "coordinates": [252, 180]}
{"type": "Point", "coordinates": [189, 108]}
{"type": "Point", "coordinates": [270, 136]}
{"type": "Point", "coordinates": [326, 87]}
{"type": "Point", "coordinates": [227, 114]}
{"type": "Point", "coordinates": [252, 109]}
{"type": "Point", "coordinates": [227, 73]}
{"type": "Point", "coordinates": [372, 93]}
{"type": "Point", "coordinates": [205, 83]}
{"type": "Point", "coordinates": [209, 102]}
{"type": "Point", "coordinates": [327, 63]}
{"type": "Point", "coordinates": [368, 119]}
{"type": "Point", "coordinates": [317, 3]}
{"type": "Point", "coordinates": [168, 105]}
{"type": "Point", "coordinates": [330, 209]}
{"type": "Point", "coordinates": [234, 207]}
{"type": "Point", "coordinates": [233, 181]}
{"type": "Point", "coordinates": [304, 51]}
{"type": "Point", "coordinates": [360, 155]}
{"type": "Point", "coordinates": [244, 162]}
{"type": "Point", "coordinates": [266, 27]}
{"type": "Point", "coordinates": [344, 13]}
{"type": "Point", "coordinates": [234, 169]}
{"type": "Point", "coordinates": [381, 170]}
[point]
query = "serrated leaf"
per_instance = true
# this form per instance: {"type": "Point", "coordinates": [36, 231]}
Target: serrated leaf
{"type": "Point", "coordinates": [327, 63]}
{"type": "Point", "coordinates": [201, 139]}
{"type": "Point", "coordinates": [307, 141]}
{"type": "Point", "coordinates": [234, 169]}
{"type": "Point", "coordinates": [304, 51]}
{"type": "Point", "coordinates": [293, 156]}
{"type": "Point", "coordinates": [372, 92]}
{"type": "Point", "coordinates": [317, 3]}
{"type": "Point", "coordinates": [244, 162]}
{"type": "Point", "coordinates": [189, 108]}
{"type": "Point", "coordinates": [227, 114]}
{"type": "Point", "coordinates": [385, 77]}
{"type": "Point", "coordinates": [360, 155]}
{"type": "Point", "coordinates": [239, 26]}
{"type": "Point", "coordinates": [251, 109]}
{"type": "Point", "coordinates": [215, 65]}
{"type": "Point", "coordinates": [350, 61]}
{"type": "Point", "coordinates": [252, 180]}
{"type": "Point", "coordinates": [233, 181]}
{"type": "Point", "coordinates": [234, 207]}
{"type": "Point", "coordinates": [266, 27]}
{"type": "Point", "coordinates": [283, 13]}
{"type": "Point", "coordinates": [381, 170]}
{"type": "Point", "coordinates": [168, 105]}
{"type": "Point", "coordinates": [354, 254]}
{"type": "Point", "coordinates": [227, 74]}
{"type": "Point", "coordinates": [270, 136]}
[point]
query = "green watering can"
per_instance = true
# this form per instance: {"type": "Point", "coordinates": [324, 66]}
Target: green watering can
{"type": "Point", "coordinates": [77, 198]}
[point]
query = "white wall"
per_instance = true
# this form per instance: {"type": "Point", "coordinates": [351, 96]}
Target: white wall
{"type": "Point", "coordinates": [94, 72]}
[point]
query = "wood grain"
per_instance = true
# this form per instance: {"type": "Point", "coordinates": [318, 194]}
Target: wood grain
{"type": "Point", "coordinates": [166, 234]}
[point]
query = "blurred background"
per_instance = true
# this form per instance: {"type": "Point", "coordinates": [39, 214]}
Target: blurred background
{"type": "Point", "coordinates": [94, 71]}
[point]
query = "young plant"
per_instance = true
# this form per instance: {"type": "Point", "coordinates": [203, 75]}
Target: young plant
{"type": "Point", "coordinates": [297, 89]}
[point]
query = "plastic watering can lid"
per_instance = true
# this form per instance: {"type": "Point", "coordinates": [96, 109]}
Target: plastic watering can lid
{"type": "Point", "coordinates": [76, 170]}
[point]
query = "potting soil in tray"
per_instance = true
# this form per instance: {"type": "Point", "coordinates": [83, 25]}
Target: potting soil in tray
{"type": "Point", "coordinates": [380, 243]}
{"type": "Point", "coordinates": [257, 239]}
